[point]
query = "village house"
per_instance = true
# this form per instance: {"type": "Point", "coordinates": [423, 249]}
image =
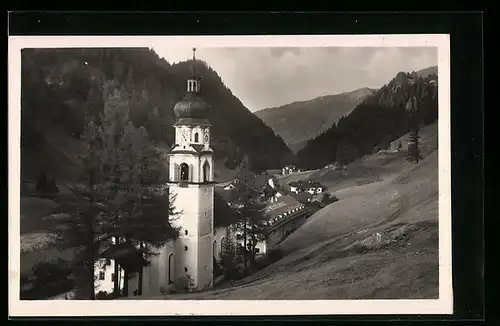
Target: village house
{"type": "Point", "coordinates": [304, 197]}
{"type": "Point", "coordinates": [284, 216]}
{"type": "Point", "coordinates": [312, 187]}
{"type": "Point", "coordinates": [289, 169]}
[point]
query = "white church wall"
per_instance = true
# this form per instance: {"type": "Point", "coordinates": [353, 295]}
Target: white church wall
{"type": "Point", "coordinates": [205, 262]}
{"type": "Point", "coordinates": [205, 202]}
{"type": "Point", "coordinates": [186, 257]}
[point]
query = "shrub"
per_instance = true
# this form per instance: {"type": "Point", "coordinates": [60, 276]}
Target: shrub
{"type": "Point", "coordinates": [182, 284]}
{"type": "Point", "coordinates": [52, 187]}
{"type": "Point", "coordinates": [275, 255]}
{"type": "Point", "coordinates": [42, 182]}
{"type": "Point", "coordinates": [328, 199]}
{"type": "Point", "coordinates": [103, 295]}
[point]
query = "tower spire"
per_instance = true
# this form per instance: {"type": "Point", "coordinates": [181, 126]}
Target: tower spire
{"type": "Point", "coordinates": [193, 69]}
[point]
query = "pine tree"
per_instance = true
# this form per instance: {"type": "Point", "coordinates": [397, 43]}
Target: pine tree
{"type": "Point", "coordinates": [42, 182]}
{"type": "Point", "coordinates": [251, 221]}
{"type": "Point", "coordinates": [228, 257]}
{"type": "Point", "coordinates": [414, 138]}
{"type": "Point", "coordinates": [145, 209]}
{"type": "Point", "coordinates": [153, 227]}
{"type": "Point", "coordinates": [85, 228]}
{"type": "Point", "coordinates": [113, 121]}
{"type": "Point", "coordinates": [414, 146]}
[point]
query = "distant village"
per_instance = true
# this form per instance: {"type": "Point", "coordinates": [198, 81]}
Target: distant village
{"type": "Point", "coordinates": [285, 207]}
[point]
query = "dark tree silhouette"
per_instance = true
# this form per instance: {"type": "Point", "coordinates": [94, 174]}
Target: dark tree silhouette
{"type": "Point", "coordinates": [414, 146]}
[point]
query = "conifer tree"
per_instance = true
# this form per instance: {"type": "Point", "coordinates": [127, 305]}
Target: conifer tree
{"type": "Point", "coordinates": [228, 257]}
{"type": "Point", "coordinates": [146, 211]}
{"type": "Point", "coordinates": [42, 182]}
{"type": "Point", "coordinates": [153, 227]}
{"type": "Point", "coordinates": [85, 226]}
{"type": "Point", "coordinates": [113, 121]}
{"type": "Point", "coordinates": [414, 146]}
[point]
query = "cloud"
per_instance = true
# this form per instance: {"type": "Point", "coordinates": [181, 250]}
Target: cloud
{"type": "Point", "coordinates": [267, 77]}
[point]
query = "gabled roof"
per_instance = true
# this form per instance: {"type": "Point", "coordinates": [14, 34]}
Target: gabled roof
{"type": "Point", "coordinates": [307, 183]}
{"type": "Point", "coordinates": [303, 197]}
{"type": "Point", "coordinates": [198, 147]}
{"type": "Point", "coordinates": [283, 204]}
{"type": "Point", "coordinates": [126, 255]}
{"type": "Point", "coordinates": [224, 215]}
{"type": "Point", "coordinates": [227, 195]}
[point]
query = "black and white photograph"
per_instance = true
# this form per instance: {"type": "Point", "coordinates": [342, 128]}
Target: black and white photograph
{"type": "Point", "coordinates": [284, 170]}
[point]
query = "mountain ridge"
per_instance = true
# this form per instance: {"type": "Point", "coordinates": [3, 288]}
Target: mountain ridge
{"type": "Point", "coordinates": [287, 120]}
{"type": "Point", "coordinates": [63, 87]}
{"type": "Point", "coordinates": [321, 113]}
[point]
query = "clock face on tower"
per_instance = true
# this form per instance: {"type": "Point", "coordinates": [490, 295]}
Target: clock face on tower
{"type": "Point", "coordinates": [185, 135]}
{"type": "Point", "coordinates": [207, 136]}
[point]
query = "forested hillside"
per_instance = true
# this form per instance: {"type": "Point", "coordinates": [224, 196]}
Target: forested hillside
{"type": "Point", "coordinates": [299, 122]}
{"type": "Point", "coordinates": [61, 88]}
{"type": "Point", "coordinates": [378, 120]}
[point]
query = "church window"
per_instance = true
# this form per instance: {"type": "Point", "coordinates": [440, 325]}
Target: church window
{"type": "Point", "coordinates": [185, 232]}
{"type": "Point", "coordinates": [102, 276]}
{"type": "Point", "coordinates": [185, 269]}
{"type": "Point", "coordinates": [170, 268]}
{"type": "Point", "coordinates": [206, 171]}
{"type": "Point", "coordinates": [196, 136]}
{"type": "Point", "coordinates": [185, 248]}
{"type": "Point", "coordinates": [184, 172]}
{"type": "Point", "coordinates": [112, 277]}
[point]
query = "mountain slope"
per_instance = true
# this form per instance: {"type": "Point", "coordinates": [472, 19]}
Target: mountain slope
{"type": "Point", "coordinates": [62, 87]}
{"type": "Point", "coordinates": [379, 119]}
{"type": "Point", "coordinates": [298, 122]}
{"type": "Point", "coordinates": [424, 73]}
{"type": "Point", "coordinates": [378, 241]}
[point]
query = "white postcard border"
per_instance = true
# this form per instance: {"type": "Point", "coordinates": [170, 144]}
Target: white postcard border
{"type": "Point", "coordinates": [443, 305]}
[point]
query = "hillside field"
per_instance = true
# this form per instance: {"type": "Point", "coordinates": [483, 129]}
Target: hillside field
{"type": "Point", "coordinates": [379, 241]}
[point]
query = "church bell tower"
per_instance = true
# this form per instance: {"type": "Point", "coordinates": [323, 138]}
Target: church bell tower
{"type": "Point", "coordinates": [191, 180]}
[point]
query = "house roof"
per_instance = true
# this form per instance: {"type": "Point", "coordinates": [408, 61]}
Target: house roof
{"type": "Point", "coordinates": [126, 255]}
{"type": "Point", "coordinates": [303, 197]}
{"type": "Point", "coordinates": [307, 183]}
{"type": "Point", "coordinates": [283, 204]}
{"type": "Point", "coordinates": [223, 214]}
{"type": "Point", "coordinates": [227, 195]}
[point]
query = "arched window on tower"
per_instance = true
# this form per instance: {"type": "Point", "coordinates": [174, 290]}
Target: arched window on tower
{"type": "Point", "coordinates": [196, 137]}
{"type": "Point", "coordinates": [206, 172]}
{"type": "Point", "coordinates": [184, 172]}
{"type": "Point", "coordinates": [171, 268]}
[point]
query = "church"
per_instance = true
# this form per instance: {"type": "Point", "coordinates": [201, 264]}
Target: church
{"type": "Point", "coordinates": [191, 180]}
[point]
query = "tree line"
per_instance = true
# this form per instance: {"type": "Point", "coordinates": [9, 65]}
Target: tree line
{"type": "Point", "coordinates": [398, 107]}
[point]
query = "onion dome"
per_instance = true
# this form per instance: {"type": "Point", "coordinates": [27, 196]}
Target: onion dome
{"type": "Point", "coordinates": [191, 106]}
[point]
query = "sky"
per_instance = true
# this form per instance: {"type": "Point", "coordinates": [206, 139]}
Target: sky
{"type": "Point", "coordinates": [273, 76]}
